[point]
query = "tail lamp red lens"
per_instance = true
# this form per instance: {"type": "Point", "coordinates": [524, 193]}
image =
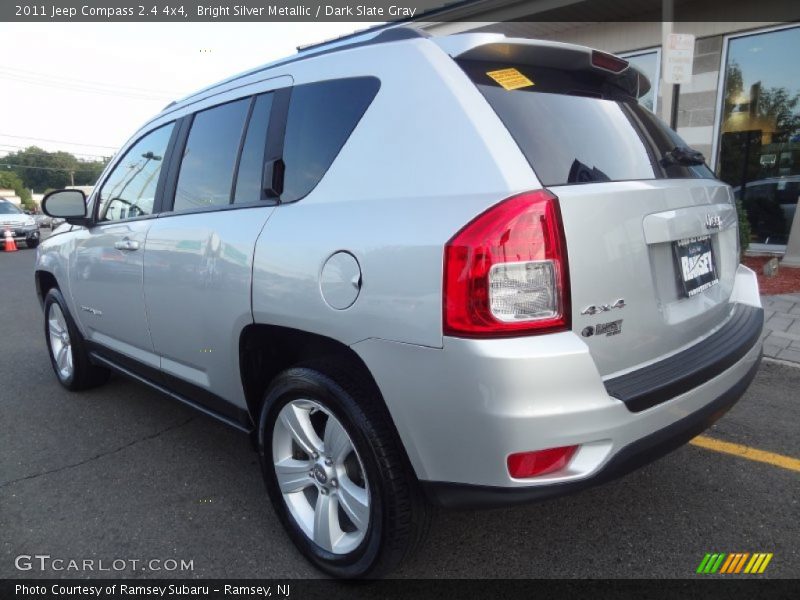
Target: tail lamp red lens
{"type": "Point", "coordinates": [541, 462]}
{"type": "Point", "coordinates": [505, 273]}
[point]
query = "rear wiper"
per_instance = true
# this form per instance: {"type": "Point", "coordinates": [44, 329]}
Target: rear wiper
{"type": "Point", "coordinates": [682, 155]}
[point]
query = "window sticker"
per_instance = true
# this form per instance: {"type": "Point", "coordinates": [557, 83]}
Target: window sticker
{"type": "Point", "coordinates": [510, 79]}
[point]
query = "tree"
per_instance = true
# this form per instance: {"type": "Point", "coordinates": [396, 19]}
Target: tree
{"type": "Point", "coordinates": [10, 180]}
{"type": "Point", "coordinates": [779, 106]}
{"type": "Point", "coordinates": [42, 170]}
{"type": "Point", "coordinates": [760, 122]}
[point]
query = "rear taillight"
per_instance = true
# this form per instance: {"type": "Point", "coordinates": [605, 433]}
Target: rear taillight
{"type": "Point", "coordinates": [540, 462]}
{"type": "Point", "coordinates": [505, 273]}
{"type": "Point", "coordinates": [608, 62]}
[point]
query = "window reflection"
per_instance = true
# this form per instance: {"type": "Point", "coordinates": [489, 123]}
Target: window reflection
{"type": "Point", "coordinates": [760, 130]}
{"type": "Point", "coordinates": [210, 155]}
{"type": "Point", "coordinates": [251, 165]}
{"type": "Point", "coordinates": [648, 63]}
{"type": "Point", "coordinates": [130, 189]}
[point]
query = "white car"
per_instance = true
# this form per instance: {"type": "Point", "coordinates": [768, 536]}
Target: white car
{"type": "Point", "coordinates": [23, 227]}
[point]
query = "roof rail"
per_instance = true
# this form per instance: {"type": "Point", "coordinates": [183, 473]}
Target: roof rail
{"type": "Point", "coordinates": [385, 33]}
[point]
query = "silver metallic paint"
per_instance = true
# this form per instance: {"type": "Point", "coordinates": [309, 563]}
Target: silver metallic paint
{"type": "Point", "coordinates": [429, 155]}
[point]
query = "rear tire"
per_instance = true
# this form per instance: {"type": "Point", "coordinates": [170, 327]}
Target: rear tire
{"type": "Point", "coordinates": [32, 243]}
{"type": "Point", "coordinates": [67, 348]}
{"type": "Point", "coordinates": [324, 396]}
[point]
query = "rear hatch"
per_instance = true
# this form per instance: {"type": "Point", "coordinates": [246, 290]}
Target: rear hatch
{"type": "Point", "coordinates": [651, 235]}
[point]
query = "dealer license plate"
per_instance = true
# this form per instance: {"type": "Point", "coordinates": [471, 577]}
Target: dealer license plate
{"type": "Point", "coordinates": [695, 263]}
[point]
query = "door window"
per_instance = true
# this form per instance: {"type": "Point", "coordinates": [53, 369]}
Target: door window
{"type": "Point", "coordinates": [130, 190]}
{"type": "Point", "coordinates": [209, 158]}
{"type": "Point", "coordinates": [251, 165]}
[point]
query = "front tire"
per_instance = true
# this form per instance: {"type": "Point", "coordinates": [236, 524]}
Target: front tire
{"type": "Point", "coordinates": [67, 348]}
{"type": "Point", "coordinates": [32, 242]}
{"type": "Point", "coordinates": [337, 473]}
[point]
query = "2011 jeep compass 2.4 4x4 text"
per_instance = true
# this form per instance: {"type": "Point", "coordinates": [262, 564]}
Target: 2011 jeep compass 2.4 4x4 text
{"type": "Point", "coordinates": [469, 270]}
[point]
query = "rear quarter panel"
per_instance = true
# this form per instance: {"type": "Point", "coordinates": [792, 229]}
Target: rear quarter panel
{"type": "Point", "coordinates": [428, 156]}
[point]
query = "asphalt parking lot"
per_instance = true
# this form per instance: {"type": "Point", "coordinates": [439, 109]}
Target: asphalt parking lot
{"type": "Point", "coordinates": [123, 473]}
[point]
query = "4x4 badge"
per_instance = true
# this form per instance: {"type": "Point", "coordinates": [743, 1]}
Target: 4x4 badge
{"type": "Point", "coordinates": [595, 309]}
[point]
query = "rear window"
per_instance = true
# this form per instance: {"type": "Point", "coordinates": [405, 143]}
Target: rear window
{"type": "Point", "coordinates": [573, 127]}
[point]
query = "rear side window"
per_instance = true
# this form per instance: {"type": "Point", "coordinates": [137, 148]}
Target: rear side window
{"type": "Point", "coordinates": [573, 128]}
{"type": "Point", "coordinates": [209, 158]}
{"type": "Point", "coordinates": [321, 117]}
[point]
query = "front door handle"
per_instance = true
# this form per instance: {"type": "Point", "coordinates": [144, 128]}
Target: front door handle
{"type": "Point", "coordinates": [126, 244]}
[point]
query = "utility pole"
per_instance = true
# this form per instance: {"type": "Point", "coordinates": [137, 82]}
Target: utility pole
{"type": "Point", "coordinates": [72, 178]}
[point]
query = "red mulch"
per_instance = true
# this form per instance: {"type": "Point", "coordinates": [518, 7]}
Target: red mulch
{"type": "Point", "coordinates": [787, 281]}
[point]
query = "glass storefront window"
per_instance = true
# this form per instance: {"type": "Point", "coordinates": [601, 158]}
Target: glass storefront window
{"type": "Point", "coordinates": [648, 62]}
{"type": "Point", "coordinates": [759, 129]}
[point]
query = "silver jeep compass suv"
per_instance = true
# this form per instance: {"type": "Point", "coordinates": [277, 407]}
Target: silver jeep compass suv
{"type": "Point", "coordinates": [468, 271]}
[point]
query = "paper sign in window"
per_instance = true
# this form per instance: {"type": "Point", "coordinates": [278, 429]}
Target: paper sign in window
{"type": "Point", "coordinates": [510, 79]}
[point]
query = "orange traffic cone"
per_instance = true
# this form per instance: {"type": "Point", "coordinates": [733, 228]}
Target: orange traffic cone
{"type": "Point", "coordinates": [11, 245]}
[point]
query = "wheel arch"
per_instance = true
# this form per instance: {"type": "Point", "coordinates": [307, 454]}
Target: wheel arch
{"type": "Point", "coordinates": [266, 350]}
{"type": "Point", "coordinates": [45, 281]}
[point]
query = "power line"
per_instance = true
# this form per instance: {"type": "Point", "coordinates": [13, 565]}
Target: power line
{"type": "Point", "coordinates": [84, 82]}
{"type": "Point", "coordinates": [5, 148]}
{"type": "Point", "coordinates": [83, 88]}
{"type": "Point", "coordinates": [27, 137]}
{"type": "Point", "coordinates": [68, 170]}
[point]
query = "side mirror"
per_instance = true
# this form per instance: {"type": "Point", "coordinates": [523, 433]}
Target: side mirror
{"type": "Point", "coordinates": [69, 205]}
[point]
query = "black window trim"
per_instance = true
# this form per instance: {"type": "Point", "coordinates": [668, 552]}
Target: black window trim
{"type": "Point", "coordinates": [242, 139]}
{"type": "Point", "coordinates": [159, 195]}
{"type": "Point", "coordinates": [276, 134]}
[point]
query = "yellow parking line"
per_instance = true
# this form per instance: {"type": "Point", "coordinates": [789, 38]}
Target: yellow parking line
{"type": "Point", "coordinates": [777, 460]}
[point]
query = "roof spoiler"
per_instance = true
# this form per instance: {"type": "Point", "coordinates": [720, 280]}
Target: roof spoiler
{"type": "Point", "coordinates": [492, 47]}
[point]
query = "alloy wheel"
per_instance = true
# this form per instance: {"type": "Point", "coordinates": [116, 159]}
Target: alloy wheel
{"type": "Point", "coordinates": [321, 476]}
{"type": "Point", "coordinates": [60, 343]}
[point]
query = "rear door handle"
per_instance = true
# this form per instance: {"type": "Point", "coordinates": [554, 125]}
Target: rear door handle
{"type": "Point", "coordinates": [126, 245]}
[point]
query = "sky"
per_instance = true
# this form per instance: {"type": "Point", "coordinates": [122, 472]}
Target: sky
{"type": "Point", "coordinates": [89, 86]}
{"type": "Point", "coordinates": [764, 58]}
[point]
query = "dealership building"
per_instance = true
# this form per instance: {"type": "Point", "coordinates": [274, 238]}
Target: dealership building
{"type": "Point", "coordinates": [741, 107]}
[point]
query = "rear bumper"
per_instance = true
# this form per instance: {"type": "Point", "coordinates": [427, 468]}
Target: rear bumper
{"type": "Point", "coordinates": [462, 409]}
{"type": "Point", "coordinates": [629, 458]}
{"type": "Point", "coordinates": [684, 371]}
